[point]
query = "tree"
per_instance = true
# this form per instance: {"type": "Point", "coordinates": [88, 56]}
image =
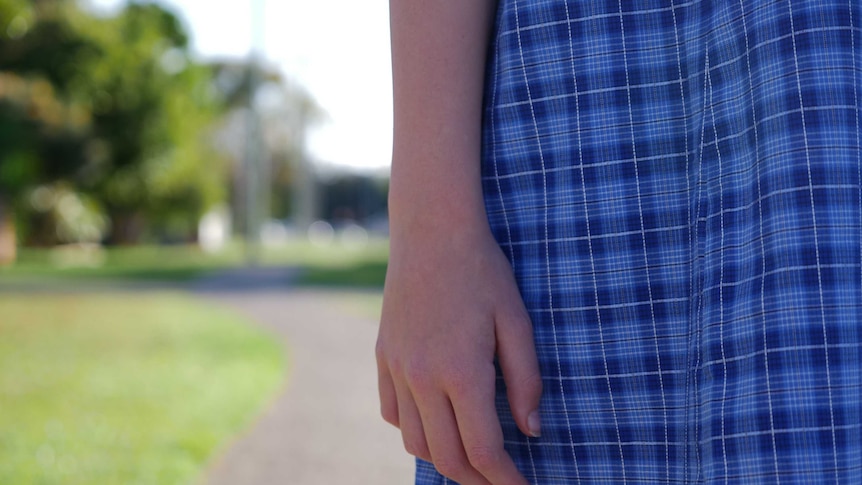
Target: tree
{"type": "Point", "coordinates": [107, 124]}
{"type": "Point", "coordinates": [155, 107]}
{"type": "Point", "coordinates": [43, 129]}
{"type": "Point", "coordinates": [109, 111]}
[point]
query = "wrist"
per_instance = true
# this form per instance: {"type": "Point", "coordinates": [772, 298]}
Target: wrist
{"type": "Point", "coordinates": [419, 214]}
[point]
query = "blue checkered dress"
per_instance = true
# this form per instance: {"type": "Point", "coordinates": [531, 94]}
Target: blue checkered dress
{"type": "Point", "coordinates": [677, 187]}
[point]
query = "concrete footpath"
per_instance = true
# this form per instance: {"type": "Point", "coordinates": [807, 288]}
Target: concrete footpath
{"type": "Point", "coordinates": [324, 428]}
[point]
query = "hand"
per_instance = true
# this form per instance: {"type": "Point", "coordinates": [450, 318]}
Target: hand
{"type": "Point", "coordinates": [450, 304]}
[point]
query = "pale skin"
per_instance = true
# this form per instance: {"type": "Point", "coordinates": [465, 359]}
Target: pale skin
{"type": "Point", "coordinates": [450, 302]}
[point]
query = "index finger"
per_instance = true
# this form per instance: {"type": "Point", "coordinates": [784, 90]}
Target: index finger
{"type": "Point", "coordinates": [481, 433]}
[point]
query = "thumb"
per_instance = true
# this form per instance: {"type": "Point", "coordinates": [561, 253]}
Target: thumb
{"type": "Point", "coordinates": [516, 353]}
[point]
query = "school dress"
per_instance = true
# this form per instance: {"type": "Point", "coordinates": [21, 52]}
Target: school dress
{"type": "Point", "coordinates": [677, 187]}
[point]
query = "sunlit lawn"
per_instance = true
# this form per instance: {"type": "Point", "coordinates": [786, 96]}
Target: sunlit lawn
{"type": "Point", "coordinates": [331, 264]}
{"type": "Point", "coordinates": [125, 389]}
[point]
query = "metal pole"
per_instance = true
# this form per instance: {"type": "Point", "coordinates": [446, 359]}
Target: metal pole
{"type": "Point", "coordinates": [252, 230]}
{"type": "Point", "coordinates": [253, 177]}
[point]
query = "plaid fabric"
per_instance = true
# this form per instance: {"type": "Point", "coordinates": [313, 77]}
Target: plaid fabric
{"type": "Point", "coordinates": [677, 186]}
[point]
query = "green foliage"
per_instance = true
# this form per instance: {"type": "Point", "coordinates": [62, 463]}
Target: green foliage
{"type": "Point", "coordinates": [72, 216]}
{"type": "Point", "coordinates": [124, 388]}
{"type": "Point", "coordinates": [112, 107]}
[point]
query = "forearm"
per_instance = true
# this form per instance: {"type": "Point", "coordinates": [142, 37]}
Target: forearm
{"type": "Point", "coordinates": [450, 303]}
{"type": "Point", "coordinates": [438, 58]}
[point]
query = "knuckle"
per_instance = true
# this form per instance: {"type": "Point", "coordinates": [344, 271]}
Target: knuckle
{"type": "Point", "coordinates": [451, 467]}
{"type": "Point", "coordinates": [396, 366]}
{"type": "Point", "coordinates": [484, 458]}
{"type": "Point", "coordinates": [457, 382]}
{"type": "Point", "coordinates": [418, 375]}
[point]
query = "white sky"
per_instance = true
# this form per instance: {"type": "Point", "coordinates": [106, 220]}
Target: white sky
{"type": "Point", "coordinates": [337, 49]}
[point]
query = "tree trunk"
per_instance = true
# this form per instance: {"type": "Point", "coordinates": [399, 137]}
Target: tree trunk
{"type": "Point", "coordinates": [7, 235]}
{"type": "Point", "coordinates": [126, 228]}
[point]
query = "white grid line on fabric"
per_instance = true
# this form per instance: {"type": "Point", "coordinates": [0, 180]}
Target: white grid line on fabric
{"type": "Point", "coordinates": [644, 244]}
{"type": "Point", "coordinates": [785, 309]}
{"type": "Point", "coordinates": [770, 194]}
{"type": "Point", "coordinates": [762, 245]}
{"type": "Point", "coordinates": [699, 310]}
{"type": "Point", "coordinates": [547, 248]}
{"type": "Point", "coordinates": [591, 165]}
{"type": "Point", "coordinates": [780, 114]}
{"type": "Point", "coordinates": [737, 71]}
{"type": "Point", "coordinates": [735, 359]}
{"type": "Point", "coordinates": [695, 38]}
{"type": "Point", "coordinates": [583, 191]}
{"type": "Point", "coordinates": [748, 395]}
{"type": "Point", "coordinates": [816, 241]}
{"type": "Point", "coordinates": [732, 60]}
{"type": "Point", "coordinates": [612, 306]}
{"type": "Point", "coordinates": [779, 350]}
{"type": "Point", "coordinates": [707, 34]}
{"type": "Point", "coordinates": [809, 429]}
{"type": "Point", "coordinates": [688, 206]}
{"type": "Point", "coordinates": [742, 208]}
{"type": "Point", "coordinates": [625, 374]}
{"type": "Point", "coordinates": [721, 277]}
{"type": "Point", "coordinates": [596, 17]}
{"type": "Point", "coordinates": [603, 347]}
{"type": "Point", "coordinates": [747, 434]}
{"type": "Point", "coordinates": [788, 280]}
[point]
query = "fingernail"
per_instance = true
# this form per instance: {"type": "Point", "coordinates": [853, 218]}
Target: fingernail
{"type": "Point", "coordinates": [534, 423]}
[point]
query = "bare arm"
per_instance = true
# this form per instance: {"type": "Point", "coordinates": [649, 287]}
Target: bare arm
{"type": "Point", "coordinates": [438, 57]}
{"type": "Point", "coordinates": [450, 302]}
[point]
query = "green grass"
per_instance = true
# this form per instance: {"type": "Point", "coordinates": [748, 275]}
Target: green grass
{"type": "Point", "coordinates": [368, 274]}
{"type": "Point", "coordinates": [124, 389]}
{"type": "Point", "coordinates": [330, 265]}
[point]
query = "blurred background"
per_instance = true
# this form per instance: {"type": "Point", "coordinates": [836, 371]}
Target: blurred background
{"type": "Point", "coordinates": [193, 241]}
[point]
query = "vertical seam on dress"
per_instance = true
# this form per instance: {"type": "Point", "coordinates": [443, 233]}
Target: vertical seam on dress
{"type": "Point", "coordinates": [720, 278]}
{"type": "Point", "coordinates": [493, 149]}
{"type": "Point", "coordinates": [699, 309]}
{"type": "Point", "coordinates": [643, 242]}
{"type": "Point", "coordinates": [816, 240]}
{"type": "Point", "coordinates": [762, 244]}
{"type": "Point", "coordinates": [688, 218]}
{"type": "Point", "coordinates": [547, 244]}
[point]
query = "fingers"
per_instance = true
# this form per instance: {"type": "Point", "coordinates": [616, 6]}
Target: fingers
{"type": "Point", "coordinates": [412, 431]}
{"type": "Point", "coordinates": [516, 353]}
{"type": "Point", "coordinates": [480, 431]}
{"type": "Point", "coordinates": [460, 432]}
{"type": "Point", "coordinates": [444, 442]}
{"type": "Point", "coordinates": [386, 390]}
